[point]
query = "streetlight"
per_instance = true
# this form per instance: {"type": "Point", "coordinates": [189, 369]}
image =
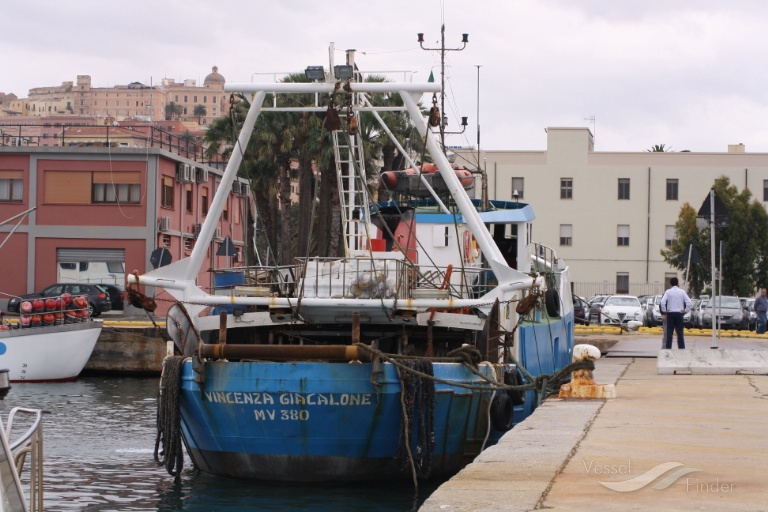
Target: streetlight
{"type": "Point", "coordinates": [478, 66]}
{"type": "Point", "coordinates": [443, 49]}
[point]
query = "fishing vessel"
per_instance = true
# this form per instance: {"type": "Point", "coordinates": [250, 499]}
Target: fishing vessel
{"type": "Point", "coordinates": [48, 353]}
{"type": "Point", "coordinates": [403, 358]}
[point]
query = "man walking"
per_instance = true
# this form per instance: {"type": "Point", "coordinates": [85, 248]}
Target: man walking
{"type": "Point", "coordinates": [676, 304]}
{"type": "Point", "coordinates": [761, 308]}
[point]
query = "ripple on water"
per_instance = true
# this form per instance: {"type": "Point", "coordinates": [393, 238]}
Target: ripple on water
{"type": "Point", "coordinates": [99, 438]}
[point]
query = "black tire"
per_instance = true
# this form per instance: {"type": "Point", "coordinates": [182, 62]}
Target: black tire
{"type": "Point", "coordinates": [502, 412]}
{"type": "Point", "coordinates": [92, 311]}
{"type": "Point", "coordinates": [514, 378]}
{"type": "Point", "coordinates": [552, 301]}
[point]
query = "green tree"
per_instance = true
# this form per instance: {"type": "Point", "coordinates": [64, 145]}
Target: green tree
{"type": "Point", "coordinates": [688, 234]}
{"type": "Point", "coordinates": [200, 112]}
{"type": "Point", "coordinates": [173, 111]}
{"type": "Point", "coordinates": [658, 148]}
{"type": "Point", "coordinates": [745, 243]}
{"type": "Point", "coordinates": [221, 138]}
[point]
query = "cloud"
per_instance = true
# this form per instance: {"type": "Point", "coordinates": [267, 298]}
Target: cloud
{"type": "Point", "coordinates": [685, 74]}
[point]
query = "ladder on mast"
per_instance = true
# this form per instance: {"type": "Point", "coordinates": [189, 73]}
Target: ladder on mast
{"type": "Point", "coordinates": [350, 173]}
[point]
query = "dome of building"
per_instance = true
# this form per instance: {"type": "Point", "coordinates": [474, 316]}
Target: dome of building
{"type": "Point", "coordinates": [214, 78]}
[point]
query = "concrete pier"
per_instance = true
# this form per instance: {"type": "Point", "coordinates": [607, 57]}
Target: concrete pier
{"type": "Point", "coordinates": [669, 442]}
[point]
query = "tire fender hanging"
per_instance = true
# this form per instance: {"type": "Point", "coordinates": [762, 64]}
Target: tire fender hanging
{"type": "Point", "coordinates": [514, 378]}
{"type": "Point", "coordinates": [552, 302]}
{"type": "Point", "coordinates": [502, 412]}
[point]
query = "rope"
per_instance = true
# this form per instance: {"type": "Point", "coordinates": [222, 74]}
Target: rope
{"type": "Point", "coordinates": [544, 384]}
{"type": "Point", "coordinates": [169, 419]}
{"type": "Point", "coordinates": [417, 399]}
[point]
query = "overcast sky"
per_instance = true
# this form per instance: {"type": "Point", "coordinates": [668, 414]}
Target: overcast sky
{"type": "Point", "coordinates": [689, 74]}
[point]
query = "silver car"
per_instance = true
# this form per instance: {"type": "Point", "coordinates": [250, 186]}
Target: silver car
{"type": "Point", "coordinates": [653, 316]}
{"type": "Point", "coordinates": [730, 310]}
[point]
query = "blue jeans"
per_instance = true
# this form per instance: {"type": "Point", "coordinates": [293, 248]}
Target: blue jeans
{"type": "Point", "coordinates": [675, 323]}
{"type": "Point", "coordinates": [761, 322]}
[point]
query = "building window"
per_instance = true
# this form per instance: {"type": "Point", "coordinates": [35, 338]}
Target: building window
{"type": "Point", "coordinates": [204, 200]}
{"type": "Point", "coordinates": [11, 186]}
{"type": "Point", "coordinates": [518, 185]}
{"type": "Point", "coordinates": [669, 235]}
{"type": "Point", "coordinates": [566, 188]}
{"type": "Point", "coordinates": [189, 197]}
{"type": "Point", "coordinates": [225, 212]}
{"type": "Point", "coordinates": [83, 187]}
{"type": "Point", "coordinates": [566, 234]}
{"type": "Point", "coordinates": [622, 282]}
{"type": "Point", "coordinates": [765, 190]}
{"type": "Point", "coordinates": [116, 193]}
{"type": "Point", "coordinates": [623, 188]}
{"type": "Point", "coordinates": [167, 192]}
{"type": "Point", "coordinates": [166, 241]}
{"type": "Point", "coordinates": [671, 190]}
{"type": "Point", "coordinates": [187, 243]}
{"type": "Point", "coordinates": [622, 235]}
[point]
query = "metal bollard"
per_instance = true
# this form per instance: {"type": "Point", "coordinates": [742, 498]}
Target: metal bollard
{"type": "Point", "coordinates": [582, 383]}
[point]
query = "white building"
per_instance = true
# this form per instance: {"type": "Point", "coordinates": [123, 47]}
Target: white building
{"type": "Point", "coordinates": [609, 214]}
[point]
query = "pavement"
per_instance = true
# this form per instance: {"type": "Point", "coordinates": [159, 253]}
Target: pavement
{"type": "Point", "coordinates": [667, 443]}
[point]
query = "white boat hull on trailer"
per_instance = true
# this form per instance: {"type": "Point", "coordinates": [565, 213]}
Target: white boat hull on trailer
{"type": "Point", "coordinates": [54, 353]}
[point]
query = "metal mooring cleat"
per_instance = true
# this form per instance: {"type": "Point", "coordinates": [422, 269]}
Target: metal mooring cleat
{"type": "Point", "coordinates": [582, 383]}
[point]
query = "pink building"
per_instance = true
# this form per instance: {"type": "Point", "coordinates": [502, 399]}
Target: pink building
{"type": "Point", "coordinates": [120, 102]}
{"type": "Point", "coordinates": [96, 213]}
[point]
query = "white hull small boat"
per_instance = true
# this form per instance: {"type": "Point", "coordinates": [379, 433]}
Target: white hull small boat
{"type": "Point", "coordinates": [53, 353]}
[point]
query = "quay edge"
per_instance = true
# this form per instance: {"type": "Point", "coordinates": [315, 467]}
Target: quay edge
{"type": "Point", "coordinates": [128, 347]}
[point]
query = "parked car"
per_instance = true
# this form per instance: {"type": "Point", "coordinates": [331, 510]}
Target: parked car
{"type": "Point", "coordinates": [621, 309]}
{"type": "Point", "coordinates": [595, 304]}
{"type": "Point", "coordinates": [732, 314]}
{"type": "Point", "coordinates": [653, 314]}
{"type": "Point", "coordinates": [689, 317]}
{"type": "Point", "coordinates": [644, 304]}
{"type": "Point", "coordinates": [752, 314]}
{"type": "Point", "coordinates": [98, 299]}
{"type": "Point", "coordinates": [580, 310]}
{"type": "Point", "coordinates": [116, 295]}
{"type": "Point", "coordinates": [697, 310]}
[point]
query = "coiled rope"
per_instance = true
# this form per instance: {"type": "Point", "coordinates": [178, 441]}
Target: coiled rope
{"type": "Point", "coordinates": [169, 419]}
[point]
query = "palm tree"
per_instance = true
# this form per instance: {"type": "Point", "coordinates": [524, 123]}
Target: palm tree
{"type": "Point", "coordinates": [200, 112]}
{"type": "Point", "coordinates": [221, 138]}
{"type": "Point", "coordinates": [173, 110]}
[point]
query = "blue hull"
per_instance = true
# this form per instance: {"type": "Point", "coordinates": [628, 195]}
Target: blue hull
{"type": "Point", "coordinates": [321, 421]}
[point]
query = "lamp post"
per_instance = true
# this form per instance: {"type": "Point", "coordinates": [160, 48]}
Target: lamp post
{"type": "Point", "coordinates": [443, 49]}
{"type": "Point", "coordinates": [478, 66]}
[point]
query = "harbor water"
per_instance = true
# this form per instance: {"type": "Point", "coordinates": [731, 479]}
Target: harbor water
{"type": "Point", "coordinates": [99, 437]}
